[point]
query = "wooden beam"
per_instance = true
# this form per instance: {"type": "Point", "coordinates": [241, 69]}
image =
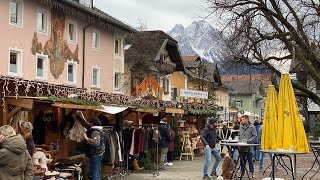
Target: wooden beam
{"type": "Point", "coordinates": [143, 114]}
{"type": "Point", "coordinates": [162, 116]}
{"type": "Point", "coordinates": [13, 112]}
{"type": "Point", "coordinates": [127, 114]}
{"type": "Point", "coordinates": [25, 103]}
{"type": "Point", "coordinates": [149, 110]}
{"type": "Point", "coordinates": [74, 106]}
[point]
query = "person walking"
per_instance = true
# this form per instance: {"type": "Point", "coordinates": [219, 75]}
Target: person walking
{"type": "Point", "coordinates": [164, 141]}
{"type": "Point", "coordinates": [256, 149]}
{"type": "Point", "coordinates": [15, 160]}
{"type": "Point", "coordinates": [248, 132]}
{"type": "Point", "coordinates": [208, 138]}
{"type": "Point", "coordinates": [171, 148]}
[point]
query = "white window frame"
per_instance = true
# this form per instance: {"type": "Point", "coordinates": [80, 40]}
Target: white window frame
{"type": "Point", "coordinates": [239, 103]}
{"type": "Point", "coordinates": [75, 31]}
{"type": "Point", "coordinates": [46, 16]}
{"type": "Point", "coordinates": [98, 77]}
{"type": "Point", "coordinates": [45, 66]}
{"type": "Point", "coordinates": [98, 39]}
{"type": "Point", "coordinates": [19, 62]}
{"type": "Point", "coordinates": [117, 86]}
{"type": "Point", "coordinates": [119, 53]}
{"type": "Point", "coordinates": [74, 82]}
{"type": "Point", "coordinates": [20, 16]}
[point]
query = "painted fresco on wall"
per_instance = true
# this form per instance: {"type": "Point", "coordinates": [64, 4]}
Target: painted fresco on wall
{"type": "Point", "coordinates": [149, 88]}
{"type": "Point", "coordinates": [56, 47]}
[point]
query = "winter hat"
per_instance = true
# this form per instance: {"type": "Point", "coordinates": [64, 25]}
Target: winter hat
{"type": "Point", "coordinates": [163, 120]}
{"type": "Point", "coordinates": [96, 121]}
{"type": "Point", "coordinates": [212, 120]}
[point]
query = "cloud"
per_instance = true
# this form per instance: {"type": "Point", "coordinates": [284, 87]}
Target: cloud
{"type": "Point", "coordinates": [158, 15]}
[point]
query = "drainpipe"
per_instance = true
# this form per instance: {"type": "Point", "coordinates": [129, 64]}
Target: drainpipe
{"type": "Point", "coordinates": [84, 53]}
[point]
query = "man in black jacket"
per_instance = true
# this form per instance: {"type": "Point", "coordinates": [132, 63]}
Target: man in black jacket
{"type": "Point", "coordinates": [95, 145]}
{"type": "Point", "coordinates": [164, 140]}
{"type": "Point", "coordinates": [208, 137]}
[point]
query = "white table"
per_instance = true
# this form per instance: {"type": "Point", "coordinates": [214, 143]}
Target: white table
{"type": "Point", "coordinates": [284, 153]}
{"type": "Point", "coordinates": [230, 141]}
{"type": "Point", "coordinates": [237, 144]}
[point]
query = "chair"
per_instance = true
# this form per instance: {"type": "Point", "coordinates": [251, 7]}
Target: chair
{"type": "Point", "coordinates": [315, 147]}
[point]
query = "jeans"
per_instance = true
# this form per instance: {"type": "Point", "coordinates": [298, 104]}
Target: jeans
{"type": "Point", "coordinates": [246, 156]}
{"type": "Point", "coordinates": [163, 156]}
{"type": "Point", "coordinates": [95, 166]}
{"type": "Point", "coordinates": [208, 153]}
{"type": "Point", "coordinates": [261, 158]}
{"type": "Point", "coordinates": [170, 156]}
{"type": "Point", "coordinates": [257, 152]}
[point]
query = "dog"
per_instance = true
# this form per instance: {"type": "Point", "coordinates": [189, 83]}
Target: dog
{"type": "Point", "coordinates": [226, 166]}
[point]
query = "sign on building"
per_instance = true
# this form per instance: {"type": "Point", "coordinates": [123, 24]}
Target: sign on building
{"type": "Point", "coordinates": [193, 93]}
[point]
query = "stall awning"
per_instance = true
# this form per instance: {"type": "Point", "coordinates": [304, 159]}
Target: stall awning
{"type": "Point", "coordinates": [111, 109]}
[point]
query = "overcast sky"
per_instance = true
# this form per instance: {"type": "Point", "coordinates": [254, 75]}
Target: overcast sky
{"type": "Point", "coordinates": [158, 14]}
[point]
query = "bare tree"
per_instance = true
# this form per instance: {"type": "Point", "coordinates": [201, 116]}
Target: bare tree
{"type": "Point", "coordinates": [271, 32]}
{"type": "Point", "coordinates": [142, 25]}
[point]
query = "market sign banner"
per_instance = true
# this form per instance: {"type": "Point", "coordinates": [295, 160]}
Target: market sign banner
{"type": "Point", "coordinates": [193, 93]}
{"type": "Point", "coordinates": [173, 110]}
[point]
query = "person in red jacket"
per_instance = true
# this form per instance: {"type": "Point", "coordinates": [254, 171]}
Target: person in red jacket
{"type": "Point", "coordinates": [171, 148]}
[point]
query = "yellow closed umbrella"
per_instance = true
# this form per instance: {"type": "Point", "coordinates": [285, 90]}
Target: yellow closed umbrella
{"type": "Point", "coordinates": [269, 128]}
{"type": "Point", "coordinates": [290, 131]}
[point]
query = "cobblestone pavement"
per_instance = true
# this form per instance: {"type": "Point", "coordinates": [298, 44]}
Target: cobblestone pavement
{"type": "Point", "coordinates": [193, 170]}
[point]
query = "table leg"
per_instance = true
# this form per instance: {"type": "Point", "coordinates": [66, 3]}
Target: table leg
{"type": "Point", "coordinates": [314, 162]}
{"type": "Point", "coordinates": [295, 166]}
{"type": "Point", "coordinates": [234, 167]}
{"type": "Point", "coordinates": [244, 160]}
{"type": "Point", "coordinates": [273, 166]}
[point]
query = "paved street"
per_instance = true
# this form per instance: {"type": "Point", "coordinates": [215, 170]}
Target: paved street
{"type": "Point", "coordinates": [193, 170]}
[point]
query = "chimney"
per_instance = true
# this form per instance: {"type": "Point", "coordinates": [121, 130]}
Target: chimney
{"type": "Point", "coordinates": [91, 4]}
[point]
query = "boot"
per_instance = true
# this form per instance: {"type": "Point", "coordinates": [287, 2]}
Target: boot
{"type": "Point", "coordinates": [136, 166]}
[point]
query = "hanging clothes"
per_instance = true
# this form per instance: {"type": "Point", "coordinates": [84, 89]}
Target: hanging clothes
{"type": "Point", "coordinates": [39, 131]}
{"type": "Point", "coordinates": [131, 152]}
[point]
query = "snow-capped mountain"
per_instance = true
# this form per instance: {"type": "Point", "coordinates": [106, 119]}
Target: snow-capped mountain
{"type": "Point", "coordinates": [200, 38]}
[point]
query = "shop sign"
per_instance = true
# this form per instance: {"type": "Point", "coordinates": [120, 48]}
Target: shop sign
{"type": "Point", "coordinates": [173, 110]}
{"type": "Point", "coordinates": [194, 94]}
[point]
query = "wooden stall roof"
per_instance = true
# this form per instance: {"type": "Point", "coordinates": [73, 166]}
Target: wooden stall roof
{"type": "Point", "coordinates": [149, 110]}
{"type": "Point", "coordinates": [74, 106]}
{"type": "Point", "coordinates": [27, 102]}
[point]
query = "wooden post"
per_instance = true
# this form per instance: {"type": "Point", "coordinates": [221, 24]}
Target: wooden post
{"type": "Point", "coordinates": [139, 118]}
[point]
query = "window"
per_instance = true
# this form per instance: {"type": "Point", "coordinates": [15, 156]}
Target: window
{"type": "Point", "coordinates": [165, 85]}
{"type": "Point", "coordinates": [117, 46]}
{"type": "Point", "coordinates": [239, 104]}
{"type": "Point", "coordinates": [174, 94]}
{"type": "Point", "coordinates": [117, 80]}
{"type": "Point", "coordinates": [95, 40]}
{"type": "Point", "coordinates": [71, 72]}
{"type": "Point", "coordinates": [42, 20]}
{"type": "Point", "coordinates": [96, 77]}
{"type": "Point", "coordinates": [41, 69]}
{"type": "Point", "coordinates": [72, 26]}
{"type": "Point", "coordinates": [16, 12]}
{"type": "Point", "coordinates": [15, 62]}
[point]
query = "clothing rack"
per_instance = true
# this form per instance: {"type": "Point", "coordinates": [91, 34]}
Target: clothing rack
{"type": "Point", "coordinates": [155, 174]}
{"type": "Point", "coordinates": [118, 174]}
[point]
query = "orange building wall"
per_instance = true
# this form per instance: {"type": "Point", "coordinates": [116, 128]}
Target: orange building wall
{"type": "Point", "coordinates": [178, 81]}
